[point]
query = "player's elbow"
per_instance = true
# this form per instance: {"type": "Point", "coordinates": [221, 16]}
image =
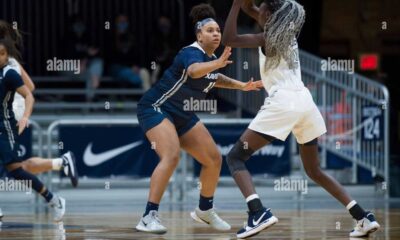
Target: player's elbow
{"type": "Point", "coordinates": [228, 40]}
{"type": "Point", "coordinates": [32, 87]}
{"type": "Point", "coordinates": [192, 73]}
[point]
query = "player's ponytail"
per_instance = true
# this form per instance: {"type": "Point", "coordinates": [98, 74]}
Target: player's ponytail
{"type": "Point", "coordinates": [8, 44]}
{"type": "Point", "coordinates": [280, 32]}
{"type": "Point", "coordinates": [13, 35]}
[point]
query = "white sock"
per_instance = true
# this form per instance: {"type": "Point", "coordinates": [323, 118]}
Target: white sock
{"type": "Point", "coordinates": [251, 197]}
{"type": "Point", "coordinates": [57, 164]}
{"type": "Point", "coordinates": [351, 204]}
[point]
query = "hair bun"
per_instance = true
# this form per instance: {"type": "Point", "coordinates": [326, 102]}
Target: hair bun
{"type": "Point", "coordinates": [201, 12]}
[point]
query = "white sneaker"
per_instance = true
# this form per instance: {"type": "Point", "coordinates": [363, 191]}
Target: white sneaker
{"type": "Point", "coordinates": [365, 226]}
{"type": "Point", "coordinates": [69, 167]}
{"type": "Point", "coordinates": [1, 214]}
{"type": "Point", "coordinates": [211, 218]}
{"type": "Point", "coordinates": [58, 205]}
{"type": "Point", "coordinates": [151, 223]}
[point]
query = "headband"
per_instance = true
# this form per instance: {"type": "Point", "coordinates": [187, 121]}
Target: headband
{"type": "Point", "coordinates": [202, 23]}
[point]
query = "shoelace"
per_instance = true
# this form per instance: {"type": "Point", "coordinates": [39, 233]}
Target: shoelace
{"type": "Point", "coordinates": [214, 216]}
{"type": "Point", "coordinates": [155, 216]}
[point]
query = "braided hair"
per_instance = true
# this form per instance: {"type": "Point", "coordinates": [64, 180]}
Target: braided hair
{"type": "Point", "coordinates": [280, 32]}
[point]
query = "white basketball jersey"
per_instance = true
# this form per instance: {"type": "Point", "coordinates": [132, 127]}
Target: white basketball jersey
{"type": "Point", "coordinates": [13, 64]}
{"type": "Point", "coordinates": [281, 76]}
{"type": "Point", "coordinates": [19, 101]}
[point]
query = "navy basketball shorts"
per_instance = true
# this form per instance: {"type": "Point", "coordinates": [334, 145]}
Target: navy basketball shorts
{"type": "Point", "coordinates": [9, 146]}
{"type": "Point", "coordinates": [149, 117]}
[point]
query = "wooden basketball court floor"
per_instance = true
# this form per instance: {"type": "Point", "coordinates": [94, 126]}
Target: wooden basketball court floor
{"type": "Point", "coordinates": [293, 225]}
{"type": "Point", "coordinates": [91, 214]}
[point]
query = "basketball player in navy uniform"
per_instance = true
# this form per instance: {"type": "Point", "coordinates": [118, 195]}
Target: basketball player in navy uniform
{"type": "Point", "coordinates": [169, 127]}
{"type": "Point", "coordinates": [34, 165]}
{"type": "Point", "coordinates": [10, 129]}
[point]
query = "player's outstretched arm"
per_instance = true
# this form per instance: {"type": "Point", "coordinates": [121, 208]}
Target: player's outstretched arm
{"type": "Point", "coordinates": [230, 83]}
{"type": "Point", "coordinates": [230, 36]}
{"type": "Point", "coordinates": [29, 101]}
{"type": "Point", "coordinates": [198, 70]}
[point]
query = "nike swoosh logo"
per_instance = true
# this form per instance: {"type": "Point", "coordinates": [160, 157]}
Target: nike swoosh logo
{"type": "Point", "coordinates": [255, 223]}
{"type": "Point", "coordinates": [92, 159]}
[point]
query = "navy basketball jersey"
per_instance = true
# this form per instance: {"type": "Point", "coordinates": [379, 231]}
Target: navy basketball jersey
{"type": "Point", "coordinates": [10, 80]}
{"type": "Point", "coordinates": [176, 86]}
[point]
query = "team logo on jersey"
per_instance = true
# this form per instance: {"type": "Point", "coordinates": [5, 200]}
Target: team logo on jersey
{"type": "Point", "coordinates": [213, 76]}
{"type": "Point", "coordinates": [21, 151]}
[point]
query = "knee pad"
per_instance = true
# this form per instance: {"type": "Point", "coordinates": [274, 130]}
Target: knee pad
{"type": "Point", "coordinates": [237, 156]}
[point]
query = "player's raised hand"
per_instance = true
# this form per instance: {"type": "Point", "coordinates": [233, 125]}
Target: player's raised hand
{"type": "Point", "coordinates": [22, 124]}
{"type": "Point", "coordinates": [224, 59]}
{"type": "Point", "coordinates": [253, 85]}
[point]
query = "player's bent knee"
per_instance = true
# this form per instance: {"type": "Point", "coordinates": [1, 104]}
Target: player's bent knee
{"type": "Point", "coordinates": [237, 157]}
{"type": "Point", "coordinates": [28, 165]}
{"type": "Point", "coordinates": [171, 160]}
{"type": "Point", "coordinates": [215, 159]}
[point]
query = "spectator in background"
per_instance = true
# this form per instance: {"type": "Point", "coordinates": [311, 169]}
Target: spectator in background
{"type": "Point", "coordinates": [125, 60]}
{"type": "Point", "coordinates": [79, 46]}
{"type": "Point", "coordinates": [165, 46]}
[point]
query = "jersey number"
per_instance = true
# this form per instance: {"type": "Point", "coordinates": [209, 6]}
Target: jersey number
{"type": "Point", "coordinates": [208, 88]}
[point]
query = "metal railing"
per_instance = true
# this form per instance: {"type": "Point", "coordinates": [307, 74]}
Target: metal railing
{"type": "Point", "coordinates": [354, 107]}
{"type": "Point", "coordinates": [179, 181]}
{"type": "Point", "coordinates": [175, 189]}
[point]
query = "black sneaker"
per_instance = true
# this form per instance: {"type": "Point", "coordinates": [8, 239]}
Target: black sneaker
{"type": "Point", "coordinates": [256, 223]}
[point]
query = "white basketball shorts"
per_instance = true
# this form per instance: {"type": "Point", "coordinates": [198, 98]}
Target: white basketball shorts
{"type": "Point", "coordinates": [289, 110]}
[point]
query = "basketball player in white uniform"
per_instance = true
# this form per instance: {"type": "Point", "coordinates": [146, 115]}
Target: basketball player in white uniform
{"type": "Point", "coordinates": [288, 108]}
